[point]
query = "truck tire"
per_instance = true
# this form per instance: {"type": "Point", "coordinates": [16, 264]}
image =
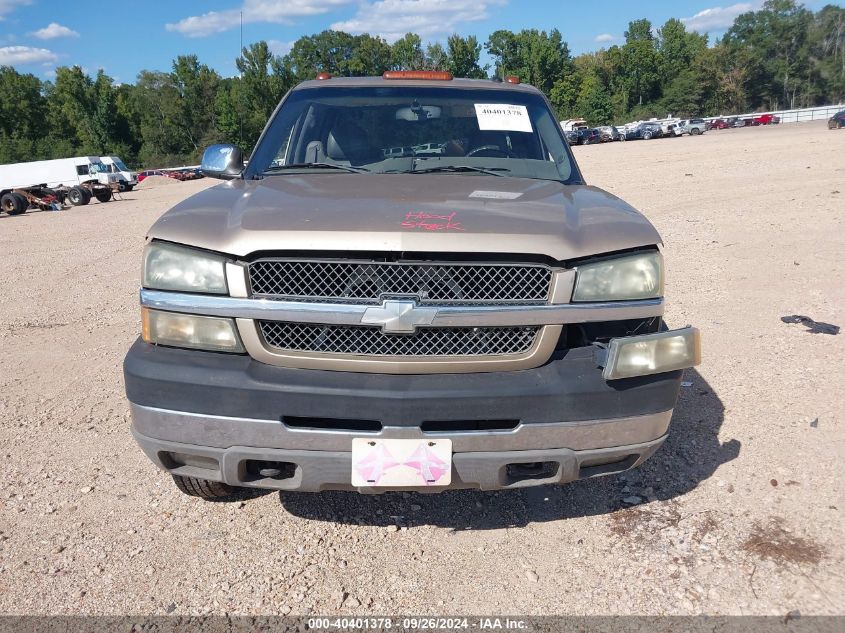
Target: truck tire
{"type": "Point", "coordinates": [122, 186]}
{"type": "Point", "coordinates": [78, 196]}
{"type": "Point", "coordinates": [646, 136]}
{"type": "Point", "coordinates": [103, 196]}
{"type": "Point", "coordinates": [130, 187]}
{"type": "Point", "coordinates": [202, 488]}
{"type": "Point", "coordinates": [14, 203]}
{"type": "Point", "coordinates": [695, 131]}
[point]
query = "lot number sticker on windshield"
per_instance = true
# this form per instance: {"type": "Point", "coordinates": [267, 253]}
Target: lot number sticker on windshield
{"type": "Point", "coordinates": [503, 117]}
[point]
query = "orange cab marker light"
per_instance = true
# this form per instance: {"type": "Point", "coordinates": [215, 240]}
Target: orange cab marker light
{"type": "Point", "coordinates": [512, 79]}
{"type": "Point", "coordinates": [433, 75]}
{"type": "Point", "coordinates": [322, 76]}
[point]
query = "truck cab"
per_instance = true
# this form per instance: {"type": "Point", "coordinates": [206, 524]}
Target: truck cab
{"type": "Point", "coordinates": [91, 168]}
{"type": "Point", "coordinates": [128, 179]}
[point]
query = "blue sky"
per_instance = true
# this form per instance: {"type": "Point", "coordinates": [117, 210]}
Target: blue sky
{"type": "Point", "coordinates": [125, 37]}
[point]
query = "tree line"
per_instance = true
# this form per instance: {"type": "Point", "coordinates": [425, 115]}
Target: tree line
{"type": "Point", "coordinates": [781, 56]}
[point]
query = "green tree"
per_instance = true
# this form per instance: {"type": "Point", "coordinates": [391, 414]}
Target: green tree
{"type": "Point", "coordinates": [677, 48]}
{"type": "Point", "coordinates": [641, 63]}
{"type": "Point", "coordinates": [407, 53]}
{"type": "Point", "coordinates": [464, 55]}
{"type": "Point", "coordinates": [777, 37]}
{"type": "Point", "coordinates": [593, 102]}
{"type": "Point", "coordinates": [436, 57]}
{"type": "Point", "coordinates": [536, 57]}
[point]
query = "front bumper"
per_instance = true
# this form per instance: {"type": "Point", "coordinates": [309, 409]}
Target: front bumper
{"type": "Point", "coordinates": [230, 410]}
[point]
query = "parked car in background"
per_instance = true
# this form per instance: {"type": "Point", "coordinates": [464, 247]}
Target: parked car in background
{"type": "Point", "coordinates": [669, 127]}
{"type": "Point", "coordinates": [609, 133]}
{"type": "Point", "coordinates": [837, 121]}
{"type": "Point", "coordinates": [693, 127]}
{"type": "Point", "coordinates": [644, 131]}
{"type": "Point", "coordinates": [766, 119]}
{"type": "Point", "coordinates": [573, 125]}
{"type": "Point", "coordinates": [588, 136]}
{"type": "Point", "coordinates": [718, 124]}
{"type": "Point", "coordinates": [571, 137]}
{"type": "Point", "coordinates": [150, 172]}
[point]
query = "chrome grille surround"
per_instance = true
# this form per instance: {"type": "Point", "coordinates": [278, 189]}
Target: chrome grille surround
{"type": "Point", "coordinates": [367, 283]}
{"type": "Point", "coordinates": [371, 341]}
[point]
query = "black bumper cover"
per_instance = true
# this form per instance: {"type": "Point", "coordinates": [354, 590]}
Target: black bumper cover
{"type": "Point", "coordinates": [563, 390]}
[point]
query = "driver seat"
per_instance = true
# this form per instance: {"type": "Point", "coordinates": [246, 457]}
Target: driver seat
{"type": "Point", "coordinates": [349, 142]}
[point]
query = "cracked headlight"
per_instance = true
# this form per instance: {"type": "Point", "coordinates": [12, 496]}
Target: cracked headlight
{"type": "Point", "coordinates": [190, 331]}
{"type": "Point", "coordinates": [171, 267]}
{"type": "Point", "coordinates": [638, 276]}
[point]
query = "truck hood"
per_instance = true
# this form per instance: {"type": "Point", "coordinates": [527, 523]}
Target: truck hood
{"type": "Point", "coordinates": [405, 213]}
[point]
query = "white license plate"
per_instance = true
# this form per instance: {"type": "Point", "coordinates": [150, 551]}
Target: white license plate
{"type": "Point", "coordinates": [400, 463]}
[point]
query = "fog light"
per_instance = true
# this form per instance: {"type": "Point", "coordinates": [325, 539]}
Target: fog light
{"type": "Point", "coordinates": [188, 330]}
{"type": "Point", "coordinates": [652, 353]}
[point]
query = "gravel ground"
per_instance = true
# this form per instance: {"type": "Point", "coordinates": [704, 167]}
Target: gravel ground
{"type": "Point", "coordinates": [739, 513]}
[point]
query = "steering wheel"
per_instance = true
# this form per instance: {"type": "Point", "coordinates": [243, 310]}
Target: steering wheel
{"type": "Point", "coordinates": [494, 149]}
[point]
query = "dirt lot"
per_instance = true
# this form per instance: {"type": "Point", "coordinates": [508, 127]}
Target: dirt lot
{"type": "Point", "coordinates": [742, 509]}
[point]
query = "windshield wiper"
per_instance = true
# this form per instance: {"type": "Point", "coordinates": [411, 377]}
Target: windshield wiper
{"type": "Point", "coordinates": [490, 171]}
{"type": "Point", "coordinates": [349, 168]}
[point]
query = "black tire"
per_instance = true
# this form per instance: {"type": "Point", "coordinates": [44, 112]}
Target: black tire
{"type": "Point", "coordinates": [103, 196]}
{"type": "Point", "coordinates": [202, 488]}
{"type": "Point", "coordinates": [130, 187]}
{"type": "Point", "coordinates": [695, 131]}
{"type": "Point", "coordinates": [14, 203]}
{"type": "Point", "coordinates": [78, 196]}
{"type": "Point", "coordinates": [646, 136]}
{"type": "Point", "coordinates": [122, 186]}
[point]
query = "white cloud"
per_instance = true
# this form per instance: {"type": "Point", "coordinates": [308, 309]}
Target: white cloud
{"type": "Point", "coordinates": [54, 30]}
{"type": "Point", "coordinates": [7, 6]}
{"type": "Point", "coordinates": [718, 18]}
{"type": "Point", "coordinates": [604, 38]}
{"type": "Point", "coordinates": [273, 11]}
{"type": "Point", "coordinates": [391, 19]}
{"type": "Point", "coordinates": [279, 48]}
{"type": "Point", "coordinates": [14, 55]}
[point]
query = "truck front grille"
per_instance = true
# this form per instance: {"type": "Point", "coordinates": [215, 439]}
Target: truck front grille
{"type": "Point", "coordinates": [371, 341]}
{"type": "Point", "coordinates": [431, 283]}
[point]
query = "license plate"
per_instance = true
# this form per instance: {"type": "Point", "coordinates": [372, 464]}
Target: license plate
{"type": "Point", "coordinates": [400, 463]}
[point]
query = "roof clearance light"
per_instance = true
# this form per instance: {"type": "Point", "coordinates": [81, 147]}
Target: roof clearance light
{"type": "Point", "coordinates": [323, 76]}
{"type": "Point", "coordinates": [431, 75]}
{"type": "Point", "coordinates": [512, 79]}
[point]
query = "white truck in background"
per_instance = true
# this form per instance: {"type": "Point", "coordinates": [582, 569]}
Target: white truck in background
{"type": "Point", "coordinates": [572, 125]}
{"type": "Point", "coordinates": [46, 184]}
{"type": "Point", "coordinates": [127, 178]}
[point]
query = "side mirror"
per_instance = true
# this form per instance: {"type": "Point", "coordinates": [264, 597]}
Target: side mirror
{"type": "Point", "coordinates": [222, 161]}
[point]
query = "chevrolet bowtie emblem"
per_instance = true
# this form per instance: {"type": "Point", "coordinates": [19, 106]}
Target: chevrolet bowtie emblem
{"type": "Point", "coordinates": [399, 316]}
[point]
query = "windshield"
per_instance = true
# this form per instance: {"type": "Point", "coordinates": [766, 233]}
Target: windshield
{"type": "Point", "coordinates": [120, 165]}
{"type": "Point", "coordinates": [414, 129]}
{"type": "Point", "coordinates": [97, 168]}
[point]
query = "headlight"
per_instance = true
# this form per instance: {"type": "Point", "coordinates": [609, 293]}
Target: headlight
{"type": "Point", "coordinates": [170, 267]}
{"type": "Point", "coordinates": [652, 353]}
{"type": "Point", "coordinates": [189, 330]}
{"type": "Point", "coordinates": [637, 276]}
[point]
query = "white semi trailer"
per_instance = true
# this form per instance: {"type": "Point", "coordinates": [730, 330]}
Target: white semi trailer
{"type": "Point", "coordinates": [47, 183]}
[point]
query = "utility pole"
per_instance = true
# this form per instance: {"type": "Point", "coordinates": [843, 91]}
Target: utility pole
{"type": "Point", "coordinates": [241, 86]}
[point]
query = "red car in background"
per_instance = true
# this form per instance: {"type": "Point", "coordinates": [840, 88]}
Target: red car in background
{"type": "Point", "coordinates": [150, 172]}
{"type": "Point", "coordinates": [719, 124]}
{"type": "Point", "coordinates": [766, 119]}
